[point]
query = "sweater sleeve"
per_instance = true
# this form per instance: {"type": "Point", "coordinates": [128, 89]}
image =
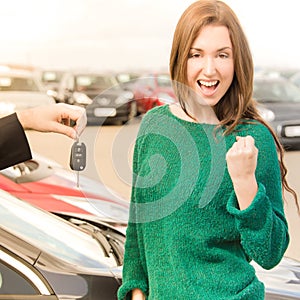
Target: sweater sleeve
{"type": "Point", "coordinates": [263, 226]}
{"type": "Point", "coordinates": [14, 147]}
{"type": "Point", "coordinates": [134, 275]}
{"type": "Point", "coordinates": [134, 267]}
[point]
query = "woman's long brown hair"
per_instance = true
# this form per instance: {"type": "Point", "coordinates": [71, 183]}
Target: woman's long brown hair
{"type": "Point", "coordinates": [237, 104]}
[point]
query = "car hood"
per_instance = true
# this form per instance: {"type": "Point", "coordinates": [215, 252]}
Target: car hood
{"type": "Point", "coordinates": [283, 110]}
{"type": "Point", "coordinates": [112, 92]}
{"type": "Point", "coordinates": [54, 189]}
{"type": "Point", "coordinates": [60, 194]}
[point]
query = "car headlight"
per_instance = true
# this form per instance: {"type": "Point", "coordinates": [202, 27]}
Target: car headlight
{"type": "Point", "coordinates": [7, 108]}
{"type": "Point", "coordinates": [52, 93]}
{"type": "Point", "coordinates": [266, 114]}
{"type": "Point", "coordinates": [81, 98]}
{"type": "Point", "coordinates": [122, 99]}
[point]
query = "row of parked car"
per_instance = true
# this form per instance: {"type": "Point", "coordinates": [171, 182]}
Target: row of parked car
{"type": "Point", "coordinates": [109, 97]}
{"type": "Point", "coordinates": [121, 97]}
{"type": "Point", "coordinates": [116, 98]}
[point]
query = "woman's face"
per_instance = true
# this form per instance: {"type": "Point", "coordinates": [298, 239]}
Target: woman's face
{"type": "Point", "coordinates": [210, 66]}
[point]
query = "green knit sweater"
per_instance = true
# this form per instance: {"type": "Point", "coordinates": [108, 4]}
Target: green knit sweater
{"type": "Point", "coordinates": [186, 237]}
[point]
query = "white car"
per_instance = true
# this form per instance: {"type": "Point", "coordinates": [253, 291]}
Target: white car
{"type": "Point", "coordinates": [20, 89]}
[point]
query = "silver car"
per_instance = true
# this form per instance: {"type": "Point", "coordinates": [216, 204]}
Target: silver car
{"type": "Point", "coordinates": [283, 281]}
{"type": "Point", "coordinates": [43, 256]}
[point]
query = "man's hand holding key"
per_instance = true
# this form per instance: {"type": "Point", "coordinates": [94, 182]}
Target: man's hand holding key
{"type": "Point", "coordinates": [63, 118]}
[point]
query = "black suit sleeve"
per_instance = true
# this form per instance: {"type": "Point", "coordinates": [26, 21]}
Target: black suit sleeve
{"type": "Point", "coordinates": [14, 147]}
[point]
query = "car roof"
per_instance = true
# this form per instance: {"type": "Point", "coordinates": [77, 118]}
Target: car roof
{"type": "Point", "coordinates": [89, 72]}
{"type": "Point", "coordinates": [270, 78]}
{"type": "Point", "coordinates": [12, 72]}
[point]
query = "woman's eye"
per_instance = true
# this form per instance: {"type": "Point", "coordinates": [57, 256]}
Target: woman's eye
{"type": "Point", "coordinates": [223, 55]}
{"type": "Point", "coordinates": [194, 55]}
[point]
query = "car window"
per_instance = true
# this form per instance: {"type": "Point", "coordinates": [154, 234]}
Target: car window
{"type": "Point", "coordinates": [98, 83]}
{"type": "Point", "coordinates": [18, 278]}
{"type": "Point", "coordinates": [51, 234]}
{"type": "Point", "coordinates": [282, 91]}
{"type": "Point", "coordinates": [18, 84]}
{"type": "Point", "coordinates": [296, 79]}
{"type": "Point", "coordinates": [51, 76]}
{"type": "Point", "coordinates": [12, 282]}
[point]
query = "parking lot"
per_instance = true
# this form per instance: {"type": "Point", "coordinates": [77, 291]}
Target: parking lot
{"type": "Point", "coordinates": [109, 153]}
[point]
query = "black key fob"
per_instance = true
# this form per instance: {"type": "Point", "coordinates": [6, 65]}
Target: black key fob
{"type": "Point", "coordinates": [78, 156]}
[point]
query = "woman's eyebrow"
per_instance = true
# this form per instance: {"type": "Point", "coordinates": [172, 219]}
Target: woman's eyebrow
{"type": "Point", "coordinates": [221, 49]}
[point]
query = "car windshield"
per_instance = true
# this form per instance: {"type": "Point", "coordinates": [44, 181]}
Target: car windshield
{"type": "Point", "coordinates": [164, 80]}
{"type": "Point", "coordinates": [51, 234]}
{"type": "Point", "coordinates": [52, 76]}
{"type": "Point", "coordinates": [18, 84]}
{"type": "Point", "coordinates": [275, 91]}
{"type": "Point", "coordinates": [95, 83]}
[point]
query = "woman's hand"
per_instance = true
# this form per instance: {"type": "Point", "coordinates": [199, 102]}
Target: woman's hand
{"type": "Point", "coordinates": [241, 163]}
{"type": "Point", "coordinates": [137, 294]}
{"type": "Point", "coordinates": [54, 118]}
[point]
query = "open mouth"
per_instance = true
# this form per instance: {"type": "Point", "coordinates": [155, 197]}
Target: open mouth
{"type": "Point", "coordinates": [208, 86]}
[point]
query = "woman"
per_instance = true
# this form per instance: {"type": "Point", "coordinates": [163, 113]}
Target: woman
{"type": "Point", "coordinates": [207, 186]}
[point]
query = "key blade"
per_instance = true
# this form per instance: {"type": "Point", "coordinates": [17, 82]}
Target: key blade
{"type": "Point", "coordinates": [77, 179]}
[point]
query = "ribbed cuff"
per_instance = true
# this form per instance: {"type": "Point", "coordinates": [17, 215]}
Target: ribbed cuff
{"type": "Point", "coordinates": [254, 212]}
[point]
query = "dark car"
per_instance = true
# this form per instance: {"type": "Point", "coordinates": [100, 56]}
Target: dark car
{"type": "Point", "coordinates": [151, 90]}
{"type": "Point", "coordinates": [279, 104]}
{"type": "Point", "coordinates": [43, 256]}
{"type": "Point", "coordinates": [102, 95]}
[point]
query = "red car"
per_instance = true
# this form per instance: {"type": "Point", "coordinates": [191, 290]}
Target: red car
{"type": "Point", "coordinates": [47, 185]}
{"type": "Point", "coordinates": [151, 90]}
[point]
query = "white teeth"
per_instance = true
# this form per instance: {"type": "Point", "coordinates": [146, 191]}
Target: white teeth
{"type": "Point", "coordinates": [208, 83]}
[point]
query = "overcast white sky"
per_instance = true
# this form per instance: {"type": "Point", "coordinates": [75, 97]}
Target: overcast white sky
{"type": "Point", "coordinates": [133, 34]}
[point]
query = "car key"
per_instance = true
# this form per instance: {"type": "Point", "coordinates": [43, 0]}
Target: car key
{"type": "Point", "coordinates": [78, 158]}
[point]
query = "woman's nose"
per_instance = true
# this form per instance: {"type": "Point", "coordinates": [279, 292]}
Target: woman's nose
{"type": "Point", "coordinates": [209, 66]}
